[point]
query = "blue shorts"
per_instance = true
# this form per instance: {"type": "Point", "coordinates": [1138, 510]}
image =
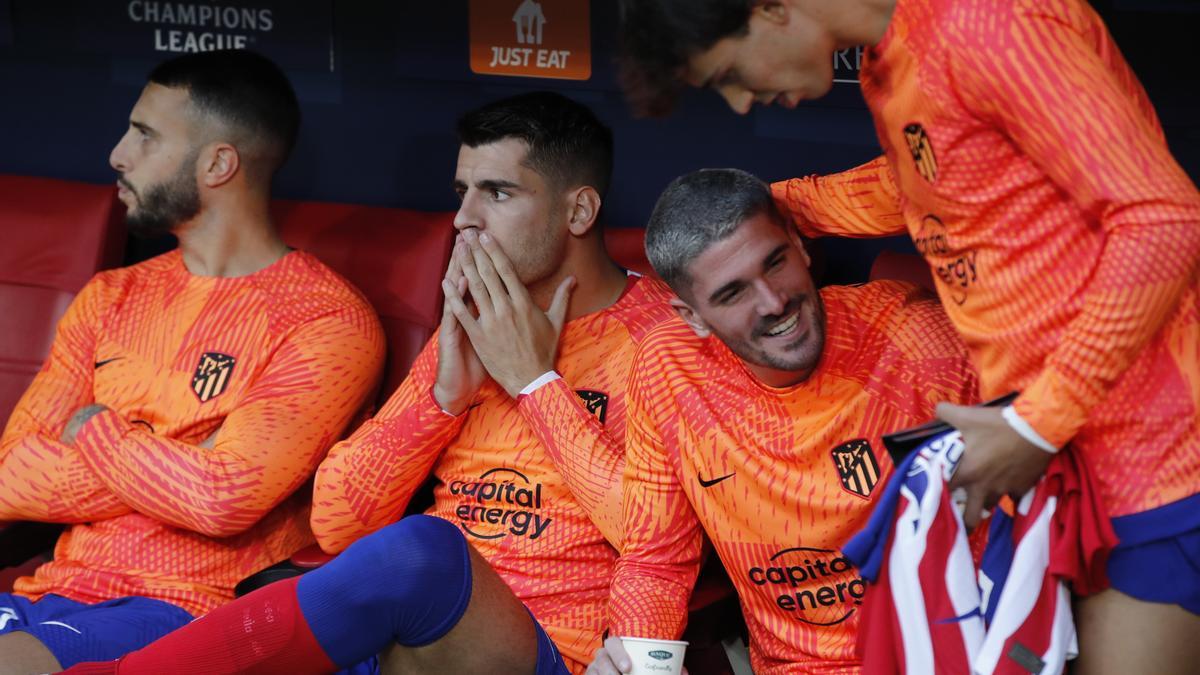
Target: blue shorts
{"type": "Point", "coordinates": [549, 661]}
{"type": "Point", "coordinates": [76, 632]}
{"type": "Point", "coordinates": [1158, 559]}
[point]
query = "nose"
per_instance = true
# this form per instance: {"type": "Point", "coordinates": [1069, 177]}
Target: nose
{"type": "Point", "coordinates": [119, 157]}
{"type": "Point", "coordinates": [769, 301]}
{"type": "Point", "coordinates": [468, 212]}
{"type": "Point", "coordinates": [738, 98]}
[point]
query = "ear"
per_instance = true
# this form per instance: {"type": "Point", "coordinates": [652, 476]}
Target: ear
{"type": "Point", "coordinates": [690, 317]}
{"type": "Point", "coordinates": [584, 205]}
{"type": "Point", "coordinates": [775, 12]}
{"type": "Point", "coordinates": [219, 163]}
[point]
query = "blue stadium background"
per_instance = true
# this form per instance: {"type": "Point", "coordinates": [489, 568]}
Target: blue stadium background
{"type": "Point", "coordinates": [381, 84]}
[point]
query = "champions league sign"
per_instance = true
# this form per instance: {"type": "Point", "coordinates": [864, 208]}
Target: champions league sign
{"type": "Point", "coordinates": [297, 34]}
{"type": "Point", "coordinates": [182, 27]}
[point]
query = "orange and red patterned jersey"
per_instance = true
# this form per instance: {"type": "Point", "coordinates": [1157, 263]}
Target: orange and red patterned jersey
{"type": "Point", "coordinates": [779, 478]}
{"type": "Point", "coordinates": [277, 363]}
{"type": "Point", "coordinates": [534, 482]}
{"type": "Point", "coordinates": [1025, 160]}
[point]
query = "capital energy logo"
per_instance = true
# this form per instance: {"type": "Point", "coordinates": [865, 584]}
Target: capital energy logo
{"type": "Point", "coordinates": [958, 270]}
{"type": "Point", "coordinates": [502, 502]}
{"type": "Point", "coordinates": [817, 586]}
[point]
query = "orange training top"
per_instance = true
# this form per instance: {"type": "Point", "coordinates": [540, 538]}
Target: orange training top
{"type": "Point", "coordinates": [534, 483]}
{"type": "Point", "coordinates": [278, 363]}
{"type": "Point", "coordinates": [1025, 160]}
{"type": "Point", "coordinates": [779, 479]}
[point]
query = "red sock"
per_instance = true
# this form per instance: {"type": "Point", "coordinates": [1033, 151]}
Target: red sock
{"type": "Point", "coordinates": [99, 668]}
{"type": "Point", "coordinates": [263, 632]}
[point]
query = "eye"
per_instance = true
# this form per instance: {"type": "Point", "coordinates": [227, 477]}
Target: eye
{"type": "Point", "coordinates": [776, 262]}
{"type": "Point", "coordinates": [725, 79]}
{"type": "Point", "coordinates": [500, 195]}
{"type": "Point", "coordinates": [729, 297]}
{"type": "Point", "coordinates": [461, 192]}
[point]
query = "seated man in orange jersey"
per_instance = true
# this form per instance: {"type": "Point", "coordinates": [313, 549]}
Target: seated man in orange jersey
{"type": "Point", "coordinates": [757, 419]}
{"type": "Point", "coordinates": [186, 398]}
{"type": "Point", "coordinates": [517, 406]}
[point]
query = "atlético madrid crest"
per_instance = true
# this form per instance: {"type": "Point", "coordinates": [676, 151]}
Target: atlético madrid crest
{"type": "Point", "coordinates": [596, 402]}
{"type": "Point", "coordinates": [212, 375]}
{"type": "Point", "coordinates": [922, 151]}
{"type": "Point", "coordinates": [856, 466]}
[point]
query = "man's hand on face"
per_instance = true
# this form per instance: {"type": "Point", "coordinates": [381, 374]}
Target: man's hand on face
{"type": "Point", "coordinates": [79, 419]}
{"type": "Point", "coordinates": [460, 373]}
{"type": "Point", "coordinates": [515, 340]}
{"type": "Point", "coordinates": [996, 460]}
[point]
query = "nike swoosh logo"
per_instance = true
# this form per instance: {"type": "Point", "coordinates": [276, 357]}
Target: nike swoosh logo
{"type": "Point", "coordinates": [105, 362]}
{"type": "Point", "coordinates": [710, 483]}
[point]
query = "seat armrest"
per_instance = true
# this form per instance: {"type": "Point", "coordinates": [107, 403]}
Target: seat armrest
{"type": "Point", "coordinates": [305, 560]}
{"type": "Point", "coordinates": [310, 557]}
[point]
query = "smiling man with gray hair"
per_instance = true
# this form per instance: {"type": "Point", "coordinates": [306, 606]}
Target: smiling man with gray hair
{"type": "Point", "coordinates": [757, 419]}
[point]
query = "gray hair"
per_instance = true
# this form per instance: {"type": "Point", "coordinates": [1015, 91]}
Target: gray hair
{"type": "Point", "coordinates": [697, 210]}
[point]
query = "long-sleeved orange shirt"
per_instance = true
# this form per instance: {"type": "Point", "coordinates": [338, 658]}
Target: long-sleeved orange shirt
{"type": "Point", "coordinates": [534, 483]}
{"type": "Point", "coordinates": [779, 478]}
{"type": "Point", "coordinates": [1026, 162]}
{"type": "Point", "coordinates": [279, 362]}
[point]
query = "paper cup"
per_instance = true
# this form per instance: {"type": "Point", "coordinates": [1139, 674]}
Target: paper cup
{"type": "Point", "coordinates": [655, 657]}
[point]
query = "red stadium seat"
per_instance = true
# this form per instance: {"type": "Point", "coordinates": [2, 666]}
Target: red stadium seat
{"type": "Point", "coordinates": [627, 246]}
{"type": "Point", "coordinates": [902, 267]}
{"type": "Point", "coordinates": [57, 234]}
{"type": "Point", "coordinates": [396, 257]}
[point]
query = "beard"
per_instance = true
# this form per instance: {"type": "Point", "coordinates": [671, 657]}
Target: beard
{"type": "Point", "coordinates": [539, 255]}
{"type": "Point", "coordinates": [164, 206]}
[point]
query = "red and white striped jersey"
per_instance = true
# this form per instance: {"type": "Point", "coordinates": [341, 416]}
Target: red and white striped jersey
{"type": "Point", "coordinates": [931, 609]}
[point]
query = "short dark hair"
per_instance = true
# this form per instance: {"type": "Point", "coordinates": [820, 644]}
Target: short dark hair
{"type": "Point", "coordinates": [696, 211]}
{"type": "Point", "coordinates": [568, 145]}
{"type": "Point", "coordinates": [658, 37]}
{"type": "Point", "coordinates": [244, 90]}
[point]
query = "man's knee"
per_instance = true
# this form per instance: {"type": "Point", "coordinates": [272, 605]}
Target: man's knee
{"type": "Point", "coordinates": [22, 653]}
{"type": "Point", "coordinates": [419, 547]}
{"type": "Point", "coordinates": [413, 576]}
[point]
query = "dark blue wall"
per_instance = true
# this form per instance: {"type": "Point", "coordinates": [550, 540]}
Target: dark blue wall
{"type": "Point", "coordinates": [378, 129]}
